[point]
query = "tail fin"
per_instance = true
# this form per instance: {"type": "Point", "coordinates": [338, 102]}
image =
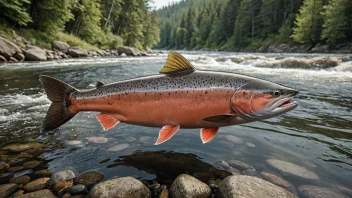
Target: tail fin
{"type": "Point", "coordinates": [58, 93]}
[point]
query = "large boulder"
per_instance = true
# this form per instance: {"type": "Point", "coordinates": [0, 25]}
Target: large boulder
{"type": "Point", "coordinates": [60, 46]}
{"type": "Point", "coordinates": [34, 53]}
{"type": "Point", "coordinates": [186, 186]}
{"type": "Point", "coordinates": [250, 187]}
{"type": "Point", "coordinates": [77, 52]}
{"type": "Point", "coordinates": [8, 48]}
{"type": "Point", "coordinates": [124, 187]}
{"type": "Point", "coordinates": [129, 51]}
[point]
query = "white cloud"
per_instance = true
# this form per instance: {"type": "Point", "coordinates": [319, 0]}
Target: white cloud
{"type": "Point", "coordinates": [160, 3]}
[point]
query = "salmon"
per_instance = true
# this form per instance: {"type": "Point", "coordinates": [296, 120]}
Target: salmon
{"type": "Point", "coordinates": [179, 97]}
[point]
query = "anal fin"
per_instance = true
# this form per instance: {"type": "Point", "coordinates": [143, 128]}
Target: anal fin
{"type": "Point", "coordinates": [166, 133]}
{"type": "Point", "coordinates": [207, 134]}
{"type": "Point", "coordinates": [107, 121]}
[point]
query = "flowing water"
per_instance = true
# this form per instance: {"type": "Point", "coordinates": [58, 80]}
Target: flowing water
{"type": "Point", "coordinates": [317, 135]}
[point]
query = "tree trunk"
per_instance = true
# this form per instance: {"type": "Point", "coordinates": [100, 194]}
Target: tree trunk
{"type": "Point", "coordinates": [108, 19]}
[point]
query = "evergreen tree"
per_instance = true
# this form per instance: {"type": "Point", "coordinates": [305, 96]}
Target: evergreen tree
{"type": "Point", "coordinates": [15, 11]}
{"type": "Point", "coordinates": [90, 16]}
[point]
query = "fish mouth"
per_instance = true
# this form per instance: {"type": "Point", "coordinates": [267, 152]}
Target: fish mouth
{"type": "Point", "coordinates": [284, 105]}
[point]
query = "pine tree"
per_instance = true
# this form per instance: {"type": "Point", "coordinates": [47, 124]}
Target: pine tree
{"type": "Point", "coordinates": [15, 11]}
{"type": "Point", "coordinates": [90, 21]}
{"type": "Point", "coordinates": [308, 22]}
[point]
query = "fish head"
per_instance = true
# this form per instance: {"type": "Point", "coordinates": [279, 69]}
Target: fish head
{"type": "Point", "coordinates": [260, 99]}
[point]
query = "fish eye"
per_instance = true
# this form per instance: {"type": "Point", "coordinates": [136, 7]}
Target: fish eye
{"type": "Point", "coordinates": [276, 93]}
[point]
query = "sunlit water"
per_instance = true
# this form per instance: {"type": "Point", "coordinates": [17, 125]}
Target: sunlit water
{"type": "Point", "coordinates": [316, 135]}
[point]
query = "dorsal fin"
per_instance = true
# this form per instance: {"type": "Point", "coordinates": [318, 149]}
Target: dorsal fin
{"type": "Point", "coordinates": [177, 64]}
{"type": "Point", "coordinates": [99, 84]}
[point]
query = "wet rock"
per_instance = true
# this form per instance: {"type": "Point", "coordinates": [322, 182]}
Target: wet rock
{"type": "Point", "coordinates": [234, 139]}
{"type": "Point", "coordinates": [74, 143]}
{"type": "Point", "coordinates": [8, 48]}
{"type": "Point", "coordinates": [17, 193]}
{"type": "Point", "coordinates": [77, 189]}
{"type": "Point", "coordinates": [41, 193]}
{"type": "Point", "coordinates": [293, 169]}
{"type": "Point", "coordinates": [67, 195]}
{"type": "Point", "coordinates": [233, 171]}
{"type": "Point", "coordinates": [4, 166]}
{"type": "Point", "coordinates": [24, 172]}
{"type": "Point", "coordinates": [119, 147]}
{"type": "Point", "coordinates": [13, 60]}
{"type": "Point", "coordinates": [130, 139]}
{"type": "Point", "coordinates": [43, 173]}
{"type": "Point", "coordinates": [164, 193]}
{"type": "Point", "coordinates": [34, 53]}
{"type": "Point", "coordinates": [17, 162]}
{"type": "Point", "coordinates": [238, 165]}
{"type": "Point", "coordinates": [19, 56]}
{"type": "Point", "coordinates": [2, 59]}
{"type": "Point", "coordinates": [89, 178]}
{"type": "Point", "coordinates": [129, 51]}
{"type": "Point", "coordinates": [59, 45]}
{"type": "Point", "coordinates": [344, 190]}
{"type": "Point", "coordinates": [104, 161]}
{"type": "Point", "coordinates": [222, 164]}
{"type": "Point", "coordinates": [250, 171]}
{"type": "Point", "coordinates": [15, 168]}
{"type": "Point", "coordinates": [123, 55]}
{"type": "Point", "coordinates": [274, 179]}
{"type": "Point", "coordinates": [124, 187]}
{"type": "Point", "coordinates": [62, 176]}
{"type": "Point", "coordinates": [20, 180]}
{"type": "Point", "coordinates": [79, 196]}
{"type": "Point", "coordinates": [23, 147]}
{"type": "Point", "coordinates": [250, 145]}
{"type": "Point", "coordinates": [212, 184]}
{"type": "Point", "coordinates": [144, 138]}
{"type": "Point", "coordinates": [38, 184]}
{"type": "Point", "coordinates": [247, 186]}
{"type": "Point", "coordinates": [77, 52]}
{"type": "Point", "coordinates": [62, 185]}
{"type": "Point", "coordinates": [188, 186]}
{"type": "Point", "coordinates": [31, 164]}
{"type": "Point", "coordinates": [7, 189]}
{"type": "Point", "coordinates": [319, 192]}
{"type": "Point", "coordinates": [24, 155]}
{"type": "Point", "coordinates": [97, 140]}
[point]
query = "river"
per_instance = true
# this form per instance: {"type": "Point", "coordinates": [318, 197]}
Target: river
{"type": "Point", "coordinates": [317, 135]}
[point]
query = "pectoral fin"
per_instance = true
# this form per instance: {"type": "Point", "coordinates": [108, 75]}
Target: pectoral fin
{"type": "Point", "coordinates": [221, 118]}
{"type": "Point", "coordinates": [166, 133]}
{"type": "Point", "coordinates": [107, 121]}
{"type": "Point", "coordinates": [207, 134]}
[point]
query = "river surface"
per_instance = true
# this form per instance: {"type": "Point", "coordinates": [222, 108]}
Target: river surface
{"type": "Point", "coordinates": [317, 135]}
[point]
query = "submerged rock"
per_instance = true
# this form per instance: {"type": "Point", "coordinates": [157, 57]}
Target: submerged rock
{"type": "Point", "coordinates": [119, 147]}
{"type": "Point", "coordinates": [20, 180]}
{"type": "Point", "coordinates": [41, 193]}
{"type": "Point", "coordinates": [238, 164]}
{"type": "Point", "coordinates": [23, 147]}
{"type": "Point", "coordinates": [319, 192]}
{"type": "Point", "coordinates": [274, 179]}
{"type": "Point", "coordinates": [293, 169]}
{"type": "Point", "coordinates": [97, 140]}
{"type": "Point", "coordinates": [77, 189]}
{"type": "Point", "coordinates": [38, 184]}
{"type": "Point", "coordinates": [7, 189]}
{"type": "Point", "coordinates": [62, 185]}
{"type": "Point", "coordinates": [234, 139]}
{"type": "Point", "coordinates": [188, 186]}
{"type": "Point", "coordinates": [250, 145]}
{"type": "Point", "coordinates": [247, 186]}
{"type": "Point", "coordinates": [89, 178]}
{"type": "Point", "coordinates": [124, 187]}
{"type": "Point", "coordinates": [31, 164]}
{"type": "Point", "coordinates": [74, 143]}
{"type": "Point", "coordinates": [43, 173]}
{"type": "Point", "coordinates": [5, 177]}
{"type": "Point", "coordinates": [62, 176]}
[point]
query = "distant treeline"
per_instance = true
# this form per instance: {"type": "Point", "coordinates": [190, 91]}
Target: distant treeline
{"type": "Point", "coordinates": [102, 23]}
{"type": "Point", "coordinates": [236, 24]}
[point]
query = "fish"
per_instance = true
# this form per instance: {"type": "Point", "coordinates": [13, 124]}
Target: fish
{"type": "Point", "coordinates": [180, 96]}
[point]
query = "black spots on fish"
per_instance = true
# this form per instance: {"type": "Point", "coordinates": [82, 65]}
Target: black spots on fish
{"type": "Point", "coordinates": [206, 92]}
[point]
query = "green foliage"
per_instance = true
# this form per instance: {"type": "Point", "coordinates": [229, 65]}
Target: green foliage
{"type": "Point", "coordinates": [15, 11]}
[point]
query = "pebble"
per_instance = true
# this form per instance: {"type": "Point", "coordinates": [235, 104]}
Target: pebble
{"type": "Point", "coordinates": [188, 186]}
{"type": "Point", "coordinates": [274, 179]}
{"type": "Point", "coordinates": [15, 168]}
{"type": "Point", "coordinates": [74, 143]}
{"type": "Point", "coordinates": [226, 143]}
{"type": "Point", "coordinates": [89, 178]}
{"type": "Point", "coordinates": [130, 139]}
{"type": "Point", "coordinates": [41, 193]}
{"type": "Point", "coordinates": [38, 184]}
{"type": "Point", "coordinates": [43, 173]}
{"type": "Point", "coordinates": [20, 180]}
{"type": "Point", "coordinates": [119, 147]}
{"type": "Point", "coordinates": [23, 147]}
{"type": "Point", "coordinates": [62, 185]}
{"type": "Point", "coordinates": [77, 189]}
{"type": "Point", "coordinates": [164, 193]}
{"type": "Point", "coordinates": [234, 139]}
{"type": "Point", "coordinates": [7, 189]}
{"type": "Point", "coordinates": [5, 177]}
{"type": "Point", "coordinates": [17, 193]}
{"type": "Point", "coordinates": [250, 145]}
{"type": "Point", "coordinates": [4, 166]}
{"type": "Point", "coordinates": [144, 138]}
{"type": "Point", "coordinates": [31, 164]}
{"type": "Point", "coordinates": [212, 184]}
{"type": "Point", "coordinates": [62, 176]}
{"type": "Point", "coordinates": [67, 195]}
{"type": "Point", "coordinates": [104, 161]}
{"type": "Point", "coordinates": [97, 140]}
{"type": "Point", "coordinates": [293, 169]}
{"type": "Point", "coordinates": [233, 171]}
{"type": "Point", "coordinates": [319, 192]}
{"type": "Point", "coordinates": [222, 164]}
{"type": "Point", "coordinates": [250, 171]}
{"type": "Point", "coordinates": [238, 164]}
{"type": "Point", "coordinates": [17, 162]}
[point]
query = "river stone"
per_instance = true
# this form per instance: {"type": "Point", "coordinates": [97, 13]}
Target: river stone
{"type": "Point", "coordinates": [222, 164]}
{"type": "Point", "coordinates": [234, 139]}
{"type": "Point", "coordinates": [31, 164]}
{"type": "Point", "coordinates": [238, 164]}
{"type": "Point", "coordinates": [41, 193]}
{"type": "Point", "coordinates": [20, 180]}
{"type": "Point", "coordinates": [129, 51]}
{"type": "Point", "coordinates": [247, 186]}
{"type": "Point", "coordinates": [319, 192]}
{"type": "Point", "coordinates": [24, 172]}
{"type": "Point", "coordinates": [164, 193]}
{"type": "Point", "coordinates": [8, 48]}
{"type": "Point", "coordinates": [119, 147]}
{"type": "Point", "coordinates": [124, 187]}
{"type": "Point", "coordinates": [77, 52]}
{"type": "Point", "coordinates": [17, 193]}
{"type": "Point", "coordinates": [4, 166]}
{"type": "Point", "coordinates": [23, 147]}
{"type": "Point", "coordinates": [130, 139]}
{"type": "Point", "coordinates": [38, 184]}
{"type": "Point", "coordinates": [77, 189]}
{"type": "Point", "coordinates": [344, 190]}
{"type": "Point", "coordinates": [89, 178]}
{"type": "Point", "coordinates": [274, 179]}
{"type": "Point", "coordinates": [74, 143]}
{"type": "Point", "coordinates": [19, 56]}
{"type": "Point", "coordinates": [188, 186]}
{"type": "Point", "coordinates": [62, 185]}
{"type": "Point", "coordinates": [7, 189]}
{"type": "Point", "coordinates": [62, 176]}
{"type": "Point", "coordinates": [2, 59]}
{"type": "Point", "coordinates": [13, 60]}
{"type": "Point", "coordinates": [34, 53]}
{"type": "Point", "coordinates": [293, 169]}
{"type": "Point", "coordinates": [17, 162]}
{"type": "Point", "coordinates": [97, 140]}
{"type": "Point", "coordinates": [250, 145]}
{"type": "Point", "coordinates": [43, 173]}
{"type": "Point", "coordinates": [59, 45]}
{"type": "Point", "coordinates": [123, 55]}
{"type": "Point", "coordinates": [15, 168]}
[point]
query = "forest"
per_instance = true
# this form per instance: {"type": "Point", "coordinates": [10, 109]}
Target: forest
{"type": "Point", "coordinates": [250, 24]}
{"type": "Point", "coordinates": [87, 23]}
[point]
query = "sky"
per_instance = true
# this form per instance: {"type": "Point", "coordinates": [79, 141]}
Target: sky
{"type": "Point", "coordinates": [160, 3]}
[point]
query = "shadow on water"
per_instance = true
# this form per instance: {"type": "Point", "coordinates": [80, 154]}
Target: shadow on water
{"type": "Point", "coordinates": [169, 165]}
